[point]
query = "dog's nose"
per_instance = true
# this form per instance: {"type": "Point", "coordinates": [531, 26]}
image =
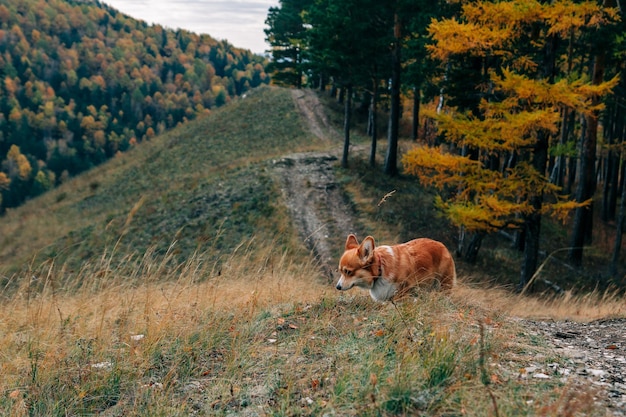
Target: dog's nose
{"type": "Point", "coordinates": [338, 286]}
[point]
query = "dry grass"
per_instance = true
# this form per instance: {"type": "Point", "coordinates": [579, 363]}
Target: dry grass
{"type": "Point", "coordinates": [568, 306]}
{"type": "Point", "coordinates": [258, 334]}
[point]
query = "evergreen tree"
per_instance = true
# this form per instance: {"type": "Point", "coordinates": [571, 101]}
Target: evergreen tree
{"type": "Point", "coordinates": [339, 31]}
{"type": "Point", "coordinates": [286, 35]}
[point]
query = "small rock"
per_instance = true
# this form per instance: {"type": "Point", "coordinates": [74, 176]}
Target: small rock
{"type": "Point", "coordinates": [596, 372]}
{"type": "Point", "coordinates": [102, 365]}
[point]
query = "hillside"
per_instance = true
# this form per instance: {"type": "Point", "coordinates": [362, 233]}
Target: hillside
{"type": "Point", "coordinates": [204, 186]}
{"type": "Point", "coordinates": [176, 280]}
{"type": "Point", "coordinates": [82, 82]}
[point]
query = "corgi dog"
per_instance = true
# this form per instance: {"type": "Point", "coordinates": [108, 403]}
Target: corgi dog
{"type": "Point", "coordinates": [390, 272]}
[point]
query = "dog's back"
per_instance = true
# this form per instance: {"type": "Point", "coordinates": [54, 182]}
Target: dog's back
{"type": "Point", "coordinates": [418, 262]}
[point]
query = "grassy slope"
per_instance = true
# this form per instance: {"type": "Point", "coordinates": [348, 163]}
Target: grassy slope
{"type": "Point", "coordinates": [160, 332]}
{"type": "Point", "coordinates": [203, 186]}
{"type": "Point", "coordinates": [265, 339]}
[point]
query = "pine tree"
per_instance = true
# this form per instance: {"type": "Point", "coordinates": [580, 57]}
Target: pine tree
{"type": "Point", "coordinates": [345, 40]}
{"type": "Point", "coordinates": [286, 34]}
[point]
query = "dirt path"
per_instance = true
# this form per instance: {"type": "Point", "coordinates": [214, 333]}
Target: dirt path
{"type": "Point", "coordinates": [595, 355]}
{"type": "Point", "coordinates": [318, 206]}
{"type": "Point", "coordinates": [313, 112]}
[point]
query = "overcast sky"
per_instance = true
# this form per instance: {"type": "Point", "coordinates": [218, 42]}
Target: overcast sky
{"type": "Point", "coordinates": [241, 22]}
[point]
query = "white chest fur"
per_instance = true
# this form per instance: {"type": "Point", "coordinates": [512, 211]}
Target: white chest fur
{"type": "Point", "coordinates": [383, 290]}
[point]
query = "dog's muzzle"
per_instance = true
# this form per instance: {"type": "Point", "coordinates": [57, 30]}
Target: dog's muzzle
{"type": "Point", "coordinates": [340, 285]}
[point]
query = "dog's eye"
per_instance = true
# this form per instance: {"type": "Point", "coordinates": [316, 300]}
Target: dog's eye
{"type": "Point", "coordinates": [347, 272]}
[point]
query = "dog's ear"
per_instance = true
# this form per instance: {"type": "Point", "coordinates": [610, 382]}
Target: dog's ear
{"type": "Point", "coordinates": [351, 242]}
{"type": "Point", "coordinates": [366, 250]}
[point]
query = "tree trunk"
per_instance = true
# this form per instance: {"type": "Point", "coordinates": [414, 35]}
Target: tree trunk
{"type": "Point", "coordinates": [619, 230]}
{"type": "Point", "coordinates": [391, 158]}
{"type": "Point", "coordinates": [572, 166]}
{"type": "Point", "coordinates": [583, 216]}
{"type": "Point", "coordinates": [471, 254]}
{"type": "Point", "coordinates": [614, 158]}
{"type": "Point", "coordinates": [416, 113]}
{"type": "Point", "coordinates": [460, 244]}
{"type": "Point", "coordinates": [532, 225]}
{"type": "Point", "coordinates": [342, 95]}
{"type": "Point", "coordinates": [561, 164]}
{"type": "Point", "coordinates": [609, 191]}
{"type": "Point", "coordinates": [322, 82]}
{"type": "Point", "coordinates": [558, 175]}
{"type": "Point", "coordinates": [346, 125]}
{"type": "Point", "coordinates": [519, 240]}
{"type": "Point", "coordinates": [373, 122]}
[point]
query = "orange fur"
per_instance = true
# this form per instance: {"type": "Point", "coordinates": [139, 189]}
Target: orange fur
{"type": "Point", "coordinates": [389, 272]}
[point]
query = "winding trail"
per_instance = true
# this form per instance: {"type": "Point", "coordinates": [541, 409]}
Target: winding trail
{"type": "Point", "coordinates": [318, 206]}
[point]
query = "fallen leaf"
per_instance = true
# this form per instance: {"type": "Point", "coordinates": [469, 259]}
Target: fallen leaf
{"type": "Point", "coordinates": [611, 346]}
{"type": "Point", "coordinates": [292, 326]}
{"type": "Point", "coordinates": [15, 394]}
{"type": "Point", "coordinates": [373, 379]}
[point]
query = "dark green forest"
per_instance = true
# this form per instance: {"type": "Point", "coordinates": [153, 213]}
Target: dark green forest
{"type": "Point", "coordinates": [81, 82]}
{"type": "Point", "coordinates": [518, 107]}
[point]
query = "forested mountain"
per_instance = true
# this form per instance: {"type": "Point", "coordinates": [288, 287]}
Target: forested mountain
{"type": "Point", "coordinates": [81, 82]}
{"type": "Point", "coordinates": [524, 104]}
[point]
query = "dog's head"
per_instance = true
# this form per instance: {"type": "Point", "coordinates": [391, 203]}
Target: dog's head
{"type": "Point", "coordinates": [356, 264]}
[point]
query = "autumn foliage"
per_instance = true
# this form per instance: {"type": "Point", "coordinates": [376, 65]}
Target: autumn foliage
{"type": "Point", "coordinates": [81, 82]}
{"type": "Point", "coordinates": [494, 172]}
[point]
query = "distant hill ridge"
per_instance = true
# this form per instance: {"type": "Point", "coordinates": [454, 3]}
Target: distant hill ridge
{"type": "Point", "coordinates": [81, 82]}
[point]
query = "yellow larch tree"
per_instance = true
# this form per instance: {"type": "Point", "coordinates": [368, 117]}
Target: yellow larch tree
{"type": "Point", "coordinates": [493, 174]}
